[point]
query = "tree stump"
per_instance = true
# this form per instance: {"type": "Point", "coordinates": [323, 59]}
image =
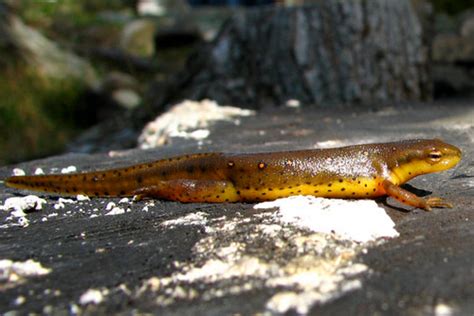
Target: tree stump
{"type": "Point", "coordinates": [332, 52]}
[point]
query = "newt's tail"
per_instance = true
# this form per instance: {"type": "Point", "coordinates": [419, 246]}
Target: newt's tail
{"type": "Point", "coordinates": [91, 184]}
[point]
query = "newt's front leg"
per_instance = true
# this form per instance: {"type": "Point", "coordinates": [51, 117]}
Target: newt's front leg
{"type": "Point", "coordinates": [411, 199]}
{"type": "Point", "coordinates": [186, 190]}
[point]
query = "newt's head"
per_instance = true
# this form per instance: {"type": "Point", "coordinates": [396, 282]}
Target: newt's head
{"type": "Point", "coordinates": [424, 156]}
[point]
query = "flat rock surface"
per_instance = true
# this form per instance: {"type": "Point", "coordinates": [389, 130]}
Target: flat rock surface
{"type": "Point", "coordinates": [172, 258]}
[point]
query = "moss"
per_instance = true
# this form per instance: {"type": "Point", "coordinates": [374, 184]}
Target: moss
{"type": "Point", "coordinates": [36, 114]}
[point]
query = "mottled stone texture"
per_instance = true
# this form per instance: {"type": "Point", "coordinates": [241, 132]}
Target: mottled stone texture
{"type": "Point", "coordinates": [349, 51]}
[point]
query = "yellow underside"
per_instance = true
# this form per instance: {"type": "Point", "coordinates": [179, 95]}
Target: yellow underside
{"type": "Point", "coordinates": [357, 188]}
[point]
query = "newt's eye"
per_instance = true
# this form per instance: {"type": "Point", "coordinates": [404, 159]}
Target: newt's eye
{"type": "Point", "coordinates": [435, 155]}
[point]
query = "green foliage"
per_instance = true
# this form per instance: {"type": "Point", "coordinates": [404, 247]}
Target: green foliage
{"type": "Point", "coordinates": [36, 115]}
{"type": "Point", "coordinates": [42, 11]}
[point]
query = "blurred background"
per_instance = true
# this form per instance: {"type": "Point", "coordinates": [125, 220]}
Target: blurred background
{"type": "Point", "coordinates": [68, 65]}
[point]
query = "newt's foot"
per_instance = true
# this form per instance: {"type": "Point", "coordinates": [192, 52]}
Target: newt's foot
{"type": "Point", "coordinates": [436, 202]}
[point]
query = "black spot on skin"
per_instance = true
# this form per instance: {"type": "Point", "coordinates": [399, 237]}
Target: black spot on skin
{"type": "Point", "coordinates": [218, 196]}
{"type": "Point", "coordinates": [365, 185]}
{"type": "Point", "coordinates": [222, 191]}
{"type": "Point", "coordinates": [343, 189]}
{"type": "Point", "coordinates": [367, 193]}
{"type": "Point", "coordinates": [106, 193]}
{"type": "Point", "coordinates": [329, 191]}
{"type": "Point", "coordinates": [373, 190]}
{"type": "Point", "coordinates": [409, 173]}
{"type": "Point", "coordinates": [150, 165]}
{"type": "Point", "coordinates": [67, 191]}
{"type": "Point", "coordinates": [330, 185]}
{"type": "Point", "coordinates": [122, 192]}
{"type": "Point", "coordinates": [190, 169]}
{"type": "Point", "coordinates": [238, 192]}
{"type": "Point", "coordinates": [290, 187]}
{"type": "Point", "coordinates": [139, 180]}
{"type": "Point", "coordinates": [74, 189]}
{"type": "Point", "coordinates": [227, 200]}
{"type": "Point", "coordinates": [247, 188]}
{"type": "Point", "coordinates": [96, 193]}
{"type": "Point", "coordinates": [375, 177]}
{"type": "Point", "coordinates": [316, 191]}
{"type": "Point", "coordinates": [270, 189]}
{"type": "Point", "coordinates": [353, 179]}
{"type": "Point", "coordinates": [358, 182]}
{"type": "Point", "coordinates": [292, 192]}
{"type": "Point", "coordinates": [104, 175]}
{"type": "Point", "coordinates": [353, 193]}
{"type": "Point", "coordinates": [308, 183]}
{"type": "Point", "coordinates": [203, 169]}
{"type": "Point", "coordinates": [263, 193]}
{"type": "Point", "coordinates": [340, 180]}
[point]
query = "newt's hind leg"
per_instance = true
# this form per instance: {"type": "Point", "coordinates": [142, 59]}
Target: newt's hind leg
{"type": "Point", "coordinates": [411, 199]}
{"type": "Point", "coordinates": [185, 190]}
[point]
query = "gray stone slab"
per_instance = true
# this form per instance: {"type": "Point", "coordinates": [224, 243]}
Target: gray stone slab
{"type": "Point", "coordinates": [139, 262]}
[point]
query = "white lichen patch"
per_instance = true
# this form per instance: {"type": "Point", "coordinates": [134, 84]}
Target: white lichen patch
{"type": "Point", "coordinates": [13, 273]}
{"type": "Point", "coordinates": [358, 220]}
{"type": "Point", "coordinates": [61, 203]}
{"type": "Point", "coordinates": [198, 218]}
{"type": "Point", "coordinates": [93, 296]}
{"type": "Point", "coordinates": [117, 211]}
{"type": "Point", "coordinates": [38, 171]}
{"type": "Point", "coordinates": [19, 205]}
{"type": "Point", "coordinates": [124, 201]}
{"type": "Point", "coordinates": [81, 197]}
{"type": "Point", "coordinates": [110, 206]}
{"type": "Point", "coordinates": [18, 172]}
{"type": "Point", "coordinates": [26, 203]}
{"type": "Point", "coordinates": [69, 169]}
{"type": "Point", "coordinates": [248, 254]}
{"type": "Point", "coordinates": [188, 119]}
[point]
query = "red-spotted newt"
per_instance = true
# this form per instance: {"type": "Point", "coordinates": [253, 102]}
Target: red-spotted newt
{"type": "Point", "coordinates": [361, 171]}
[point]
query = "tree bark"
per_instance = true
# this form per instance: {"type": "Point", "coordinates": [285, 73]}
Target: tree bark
{"type": "Point", "coordinates": [332, 52]}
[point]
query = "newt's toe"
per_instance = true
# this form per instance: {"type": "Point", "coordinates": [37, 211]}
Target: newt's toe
{"type": "Point", "coordinates": [437, 202]}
